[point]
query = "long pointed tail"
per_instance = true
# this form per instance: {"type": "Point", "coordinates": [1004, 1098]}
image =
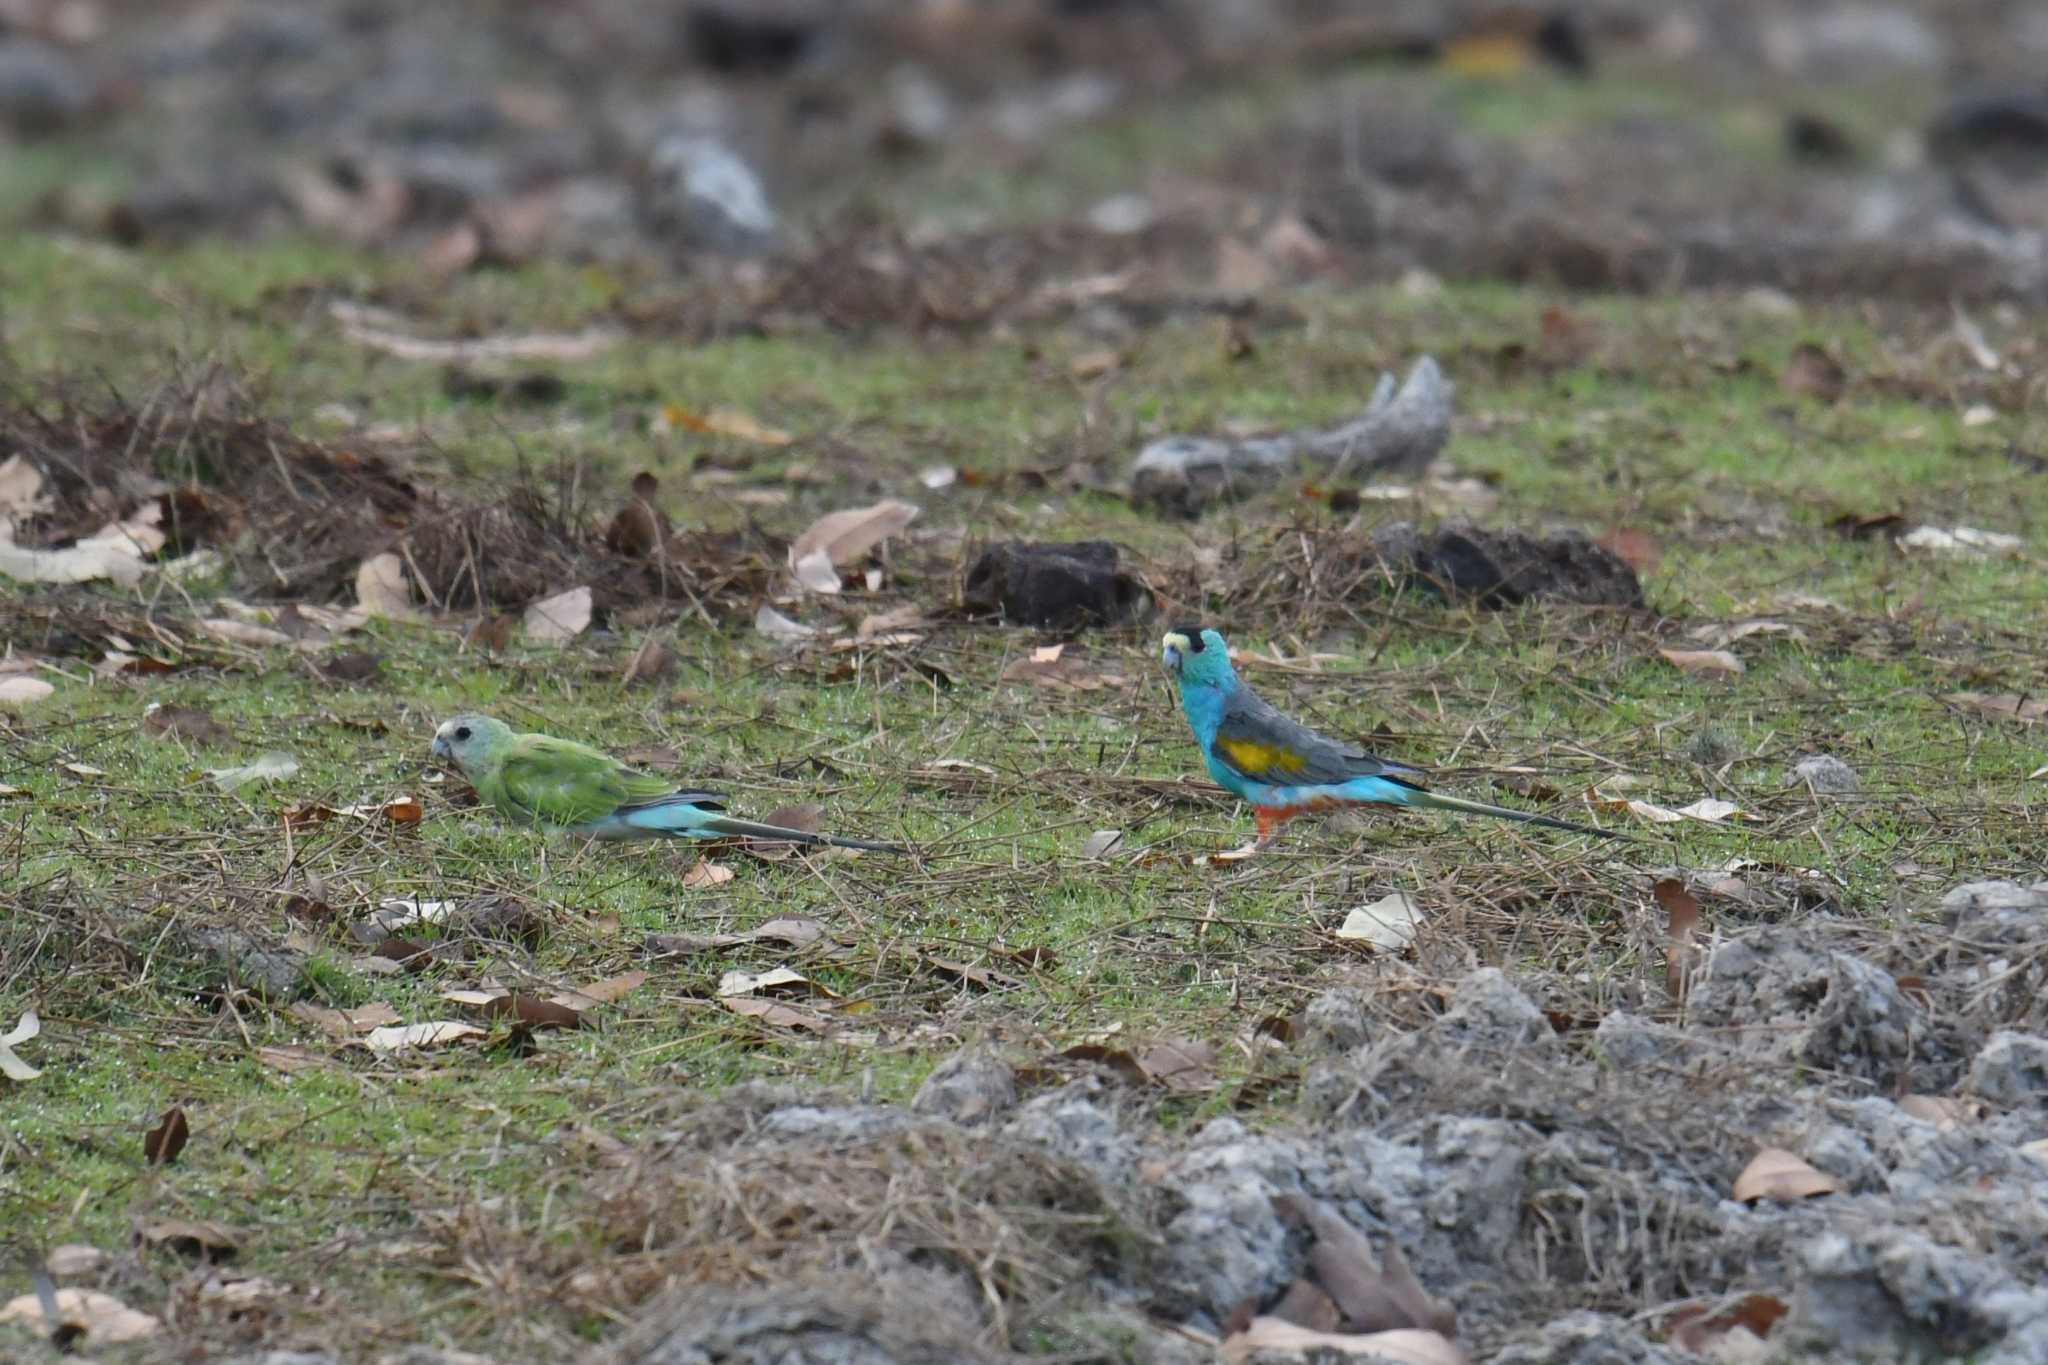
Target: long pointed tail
{"type": "Point", "coordinates": [1433, 800]}
{"type": "Point", "coordinates": [748, 829]}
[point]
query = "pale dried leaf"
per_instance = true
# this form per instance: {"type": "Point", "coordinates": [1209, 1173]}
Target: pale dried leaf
{"type": "Point", "coordinates": [407, 1037]}
{"type": "Point", "coordinates": [1726, 633]}
{"type": "Point", "coordinates": [1713, 811]}
{"type": "Point", "coordinates": [245, 633]}
{"type": "Point", "coordinates": [357, 326]}
{"type": "Point", "coordinates": [381, 587]}
{"type": "Point", "coordinates": [1403, 1346]}
{"type": "Point", "coordinates": [846, 535]}
{"type": "Point", "coordinates": [346, 1023]}
{"type": "Point", "coordinates": [605, 992]}
{"type": "Point", "coordinates": [776, 980]}
{"type": "Point", "coordinates": [1943, 1111]}
{"type": "Point", "coordinates": [704, 874]}
{"type": "Point", "coordinates": [1960, 542]}
{"type": "Point", "coordinates": [74, 1259]}
{"type": "Point", "coordinates": [1388, 923]}
{"type": "Point", "coordinates": [19, 691]}
{"type": "Point", "coordinates": [98, 1319]}
{"type": "Point", "coordinates": [21, 493]}
{"type": "Point", "coordinates": [1101, 842]}
{"type": "Point", "coordinates": [776, 626]}
{"type": "Point", "coordinates": [2004, 706]}
{"type": "Point", "coordinates": [266, 767]}
{"type": "Point", "coordinates": [558, 619]}
{"type": "Point", "coordinates": [774, 1012]}
{"type": "Point", "coordinates": [890, 622]}
{"type": "Point", "coordinates": [1711, 662]}
{"type": "Point", "coordinates": [11, 1065]}
{"type": "Point", "coordinates": [83, 562]}
{"type": "Point", "coordinates": [814, 572]}
{"type": "Point", "coordinates": [1775, 1173]}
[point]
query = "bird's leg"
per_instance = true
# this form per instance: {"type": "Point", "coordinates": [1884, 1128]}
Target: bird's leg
{"type": "Point", "coordinates": [1270, 823]}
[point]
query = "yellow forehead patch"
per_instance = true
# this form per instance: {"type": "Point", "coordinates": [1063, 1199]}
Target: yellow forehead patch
{"type": "Point", "coordinates": [1174, 639]}
{"type": "Point", "coordinates": [1252, 757]}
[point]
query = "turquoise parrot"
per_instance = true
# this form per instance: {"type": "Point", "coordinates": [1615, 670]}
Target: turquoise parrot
{"type": "Point", "coordinates": [565, 787]}
{"type": "Point", "coordinates": [1282, 768]}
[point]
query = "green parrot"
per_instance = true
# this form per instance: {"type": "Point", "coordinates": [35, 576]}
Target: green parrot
{"type": "Point", "coordinates": [561, 786]}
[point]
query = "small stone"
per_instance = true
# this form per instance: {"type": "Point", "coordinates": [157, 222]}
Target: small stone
{"type": "Point", "coordinates": [2011, 1069]}
{"type": "Point", "coordinates": [1826, 775]}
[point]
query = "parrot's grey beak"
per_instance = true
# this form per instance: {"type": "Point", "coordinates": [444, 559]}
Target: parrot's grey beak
{"type": "Point", "coordinates": [1170, 656]}
{"type": "Point", "coordinates": [441, 749]}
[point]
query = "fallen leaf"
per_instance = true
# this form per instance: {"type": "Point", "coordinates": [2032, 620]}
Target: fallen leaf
{"type": "Point", "coordinates": [703, 874]}
{"type": "Point", "coordinates": [1864, 527]}
{"type": "Point", "coordinates": [1635, 548]}
{"type": "Point", "coordinates": [346, 1023]}
{"type": "Point", "coordinates": [649, 662]}
{"type": "Point", "coordinates": [1979, 415]}
{"type": "Point", "coordinates": [192, 1237]}
{"type": "Point", "coordinates": [492, 632]}
{"type": "Point", "coordinates": [719, 422]}
{"type": "Point", "coordinates": [774, 1012]}
{"type": "Point", "coordinates": [161, 1144]}
{"type": "Point", "coordinates": [1713, 811]}
{"type": "Point", "coordinates": [1095, 364]}
{"type": "Point", "coordinates": [2039, 772]}
{"type": "Point", "coordinates": [410, 954]}
{"type": "Point", "coordinates": [1100, 843]}
{"type": "Point", "coordinates": [793, 930]}
{"type": "Point", "coordinates": [93, 1318]}
{"type": "Point", "coordinates": [400, 810]}
{"type": "Point", "coordinates": [21, 493]}
{"type": "Point", "coordinates": [1052, 667]}
{"type": "Point", "coordinates": [381, 587]}
{"type": "Point", "coordinates": [186, 723]}
{"type": "Point", "coordinates": [1402, 1346]}
{"type": "Point", "coordinates": [245, 633]}
{"type": "Point", "coordinates": [1722, 635]}
{"type": "Point", "coordinates": [1775, 1173]}
{"type": "Point", "coordinates": [404, 1038]}
{"type": "Point", "coordinates": [1388, 923]}
{"type": "Point", "coordinates": [1813, 373]}
{"type": "Point", "coordinates": [804, 819]}
{"type": "Point", "coordinates": [774, 981]}
{"type": "Point", "coordinates": [988, 978]}
{"type": "Point", "coordinates": [11, 1065]}
{"type": "Point", "coordinates": [847, 535]}
{"type": "Point", "coordinates": [1943, 1111]}
{"type": "Point", "coordinates": [1703, 1329]}
{"type": "Point", "coordinates": [1682, 911]}
{"type": "Point", "coordinates": [1960, 542]}
{"type": "Point", "coordinates": [268, 767]}
{"type": "Point", "coordinates": [892, 622]}
{"type": "Point", "coordinates": [814, 573]}
{"type": "Point", "coordinates": [1375, 1293]}
{"type": "Point", "coordinates": [558, 619]}
{"type": "Point", "coordinates": [361, 326]}
{"type": "Point", "coordinates": [531, 1011]}
{"type": "Point", "coordinates": [21, 691]}
{"type": "Point", "coordinates": [1184, 1066]}
{"type": "Point", "coordinates": [776, 626]}
{"type": "Point", "coordinates": [1709, 661]}
{"type": "Point", "coordinates": [608, 991]}
{"type": "Point", "coordinates": [232, 1294]}
{"type": "Point", "coordinates": [355, 665]}
{"type": "Point", "coordinates": [289, 1059]}
{"type": "Point", "coordinates": [74, 1259]}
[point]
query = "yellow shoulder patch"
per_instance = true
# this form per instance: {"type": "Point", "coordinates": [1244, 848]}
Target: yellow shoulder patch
{"type": "Point", "coordinates": [1249, 756]}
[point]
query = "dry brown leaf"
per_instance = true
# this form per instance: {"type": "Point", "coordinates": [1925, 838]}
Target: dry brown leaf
{"type": "Point", "coordinates": [719, 422]}
{"type": "Point", "coordinates": [184, 722]}
{"type": "Point", "coordinates": [1185, 1066]}
{"type": "Point", "coordinates": [2004, 706]}
{"type": "Point", "coordinates": [197, 1238]}
{"type": "Point", "coordinates": [1813, 373]}
{"type": "Point", "coordinates": [19, 691]}
{"type": "Point", "coordinates": [381, 587]}
{"type": "Point", "coordinates": [804, 818]}
{"type": "Point", "coordinates": [346, 1023]}
{"type": "Point", "coordinates": [558, 619]}
{"type": "Point", "coordinates": [891, 622]}
{"type": "Point", "coordinates": [1706, 1330]}
{"type": "Point", "coordinates": [75, 1259]}
{"type": "Point", "coordinates": [97, 1319]}
{"type": "Point", "coordinates": [1775, 1173]}
{"type": "Point", "coordinates": [407, 1037]}
{"type": "Point", "coordinates": [783, 981]}
{"type": "Point", "coordinates": [1682, 910]}
{"type": "Point", "coordinates": [1095, 364]}
{"type": "Point", "coordinates": [847, 535]}
{"type": "Point", "coordinates": [1375, 1294]}
{"type": "Point", "coordinates": [605, 992]}
{"type": "Point", "coordinates": [1712, 662]}
{"type": "Point", "coordinates": [245, 633]}
{"type": "Point", "coordinates": [1636, 548]}
{"type": "Point", "coordinates": [1724, 634]}
{"type": "Point", "coordinates": [988, 978]}
{"type": "Point", "coordinates": [794, 930]}
{"type": "Point", "coordinates": [649, 662]}
{"type": "Point", "coordinates": [161, 1144]}
{"type": "Point", "coordinates": [526, 1011]}
{"type": "Point", "coordinates": [774, 1012]}
{"type": "Point", "coordinates": [1403, 1346]}
{"type": "Point", "coordinates": [289, 1059]}
{"type": "Point", "coordinates": [704, 874]}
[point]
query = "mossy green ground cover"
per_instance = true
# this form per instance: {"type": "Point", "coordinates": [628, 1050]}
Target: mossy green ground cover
{"type": "Point", "coordinates": [345, 1171]}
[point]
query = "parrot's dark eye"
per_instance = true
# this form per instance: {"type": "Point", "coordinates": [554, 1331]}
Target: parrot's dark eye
{"type": "Point", "coordinates": [1194, 636]}
{"type": "Point", "coordinates": [461, 732]}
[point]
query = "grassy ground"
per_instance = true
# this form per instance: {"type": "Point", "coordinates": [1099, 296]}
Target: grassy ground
{"type": "Point", "coordinates": [347, 1172]}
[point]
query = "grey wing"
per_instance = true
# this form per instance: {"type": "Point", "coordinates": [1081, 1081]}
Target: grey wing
{"type": "Point", "coordinates": [1258, 741]}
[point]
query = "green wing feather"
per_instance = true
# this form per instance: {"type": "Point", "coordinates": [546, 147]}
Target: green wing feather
{"type": "Point", "coordinates": [559, 783]}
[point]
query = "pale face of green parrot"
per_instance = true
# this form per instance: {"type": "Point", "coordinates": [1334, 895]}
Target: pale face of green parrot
{"type": "Point", "coordinates": [476, 744]}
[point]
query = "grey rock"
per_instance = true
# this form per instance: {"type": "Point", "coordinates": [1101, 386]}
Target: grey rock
{"type": "Point", "coordinates": [1826, 774]}
{"type": "Point", "coordinates": [1828, 1010]}
{"type": "Point", "coordinates": [1398, 435]}
{"type": "Point", "coordinates": [243, 963]}
{"type": "Point", "coordinates": [2011, 1069]}
{"type": "Point", "coordinates": [1633, 1043]}
{"type": "Point", "coordinates": [1997, 914]}
{"type": "Point", "coordinates": [1497, 569]}
{"type": "Point", "coordinates": [1487, 1010]}
{"type": "Point", "coordinates": [1227, 1243]}
{"type": "Point", "coordinates": [971, 1087]}
{"type": "Point", "coordinates": [1589, 1339]}
{"type": "Point", "coordinates": [289, 1358]}
{"type": "Point", "coordinates": [42, 90]}
{"type": "Point", "coordinates": [903, 1318]}
{"type": "Point", "coordinates": [1076, 1123]}
{"type": "Point", "coordinates": [706, 193]}
{"type": "Point", "coordinates": [1336, 1021]}
{"type": "Point", "coordinates": [1889, 1293]}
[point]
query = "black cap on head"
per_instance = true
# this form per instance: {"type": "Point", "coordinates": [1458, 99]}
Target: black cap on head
{"type": "Point", "coordinates": [1194, 634]}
